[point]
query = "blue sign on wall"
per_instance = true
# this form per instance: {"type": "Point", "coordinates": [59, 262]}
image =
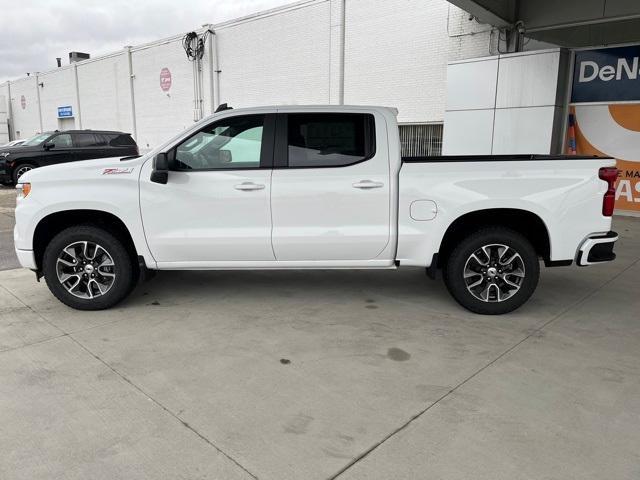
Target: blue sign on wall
{"type": "Point", "coordinates": [607, 75]}
{"type": "Point", "coordinates": [65, 112]}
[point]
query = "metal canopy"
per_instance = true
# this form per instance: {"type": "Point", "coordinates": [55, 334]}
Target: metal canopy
{"type": "Point", "coordinates": [568, 23]}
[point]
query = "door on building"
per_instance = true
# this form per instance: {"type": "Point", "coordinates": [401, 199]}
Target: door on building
{"type": "Point", "coordinates": [330, 196]}
{"type": "Point", "coordinates": [216, 205]}
{"type": "Point", "coordinates": [65, 124]}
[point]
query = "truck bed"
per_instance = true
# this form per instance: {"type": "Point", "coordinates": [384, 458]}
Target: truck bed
{"type": "Point", "coordinates": [498, 158]}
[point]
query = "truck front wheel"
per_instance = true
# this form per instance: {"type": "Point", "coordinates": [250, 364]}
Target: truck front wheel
{"type": "Point", "coordinates": [87, 268]}
{"type": "Point", "coordinates": [493, 271]}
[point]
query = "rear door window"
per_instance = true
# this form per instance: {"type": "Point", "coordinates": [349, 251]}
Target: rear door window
{"type": "Point", "coordinates": [121, 140]}
{"type": "Point", "coordinates": [329, 139]}
{"type": "Point", "coordinates": [84, 140]}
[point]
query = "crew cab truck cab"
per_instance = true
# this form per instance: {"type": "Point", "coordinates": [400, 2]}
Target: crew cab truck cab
{"type": "Point", "coordinates": [315, 187]}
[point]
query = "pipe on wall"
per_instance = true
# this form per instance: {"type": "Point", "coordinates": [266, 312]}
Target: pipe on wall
{"type": "Point", "coordinates": [37, 79]}
{"type": "Point", "coordinates": [77, 85]}
{"type": "Point", "coordinates": [12, 130]}
{"type": "Point", "coordinates": [213, 99]}
{"type": "Point", "coordinates": [132, 94]}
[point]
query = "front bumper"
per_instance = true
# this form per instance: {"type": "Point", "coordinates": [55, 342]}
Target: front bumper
{"type": "Point", "coordinates": [5, 175]}
{"type": "Point", "coordinates": [597, 249]}
{"type": "Point", "coordinates": [27, 259]}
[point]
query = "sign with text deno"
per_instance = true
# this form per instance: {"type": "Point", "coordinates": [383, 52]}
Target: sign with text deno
{"type": "Point", "coordinates": [607, 74]}
{"type": "Point", "coordinates": [605, 105]}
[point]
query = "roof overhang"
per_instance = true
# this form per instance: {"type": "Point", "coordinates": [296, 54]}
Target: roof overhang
{"type": "Point", "coordinates": [568, 23]}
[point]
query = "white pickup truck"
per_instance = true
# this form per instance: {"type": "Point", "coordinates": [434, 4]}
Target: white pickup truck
{"type": "Point", "coordinates": [312, 188]}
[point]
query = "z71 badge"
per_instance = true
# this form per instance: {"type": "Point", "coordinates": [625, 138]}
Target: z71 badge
{"type": "Point", "coordinates": [117, 171]}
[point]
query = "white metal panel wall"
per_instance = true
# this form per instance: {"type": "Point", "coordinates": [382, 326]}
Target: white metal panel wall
{"type": "Point", "coordinates": [472, 85]}
{"type": "Point", "coordinates": [523, 115]}
{"type": "Point", "coordinates": [26, 120]}
{"type": "Point", "coordinates": [104, 93]}
{"type": "Point", "coordinates": [57, 90]}
{"type": "Point", "coordinates": [396, 55]}
{"type": "Point", "coordinates": [528, 80]}
{"type": "Point", "coordinates": [161, 115]}
{"type": "Point", "coordinates": [277, 59]}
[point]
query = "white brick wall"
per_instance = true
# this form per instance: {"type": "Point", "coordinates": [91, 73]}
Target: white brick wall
{"type": "Point", "coordinates": [57, 90]}
{"type": "Point", "coordinates": [104, 93]}
{"type": "Point", "coordinates": [4, 131]}
{"type": "Point", "coordinates": [395, 53]}
{"type": "Point", "coordinates": [160, 115]}
{"type": "Point", "coordinates": [277, 59]}
{"type": "Point", "coordinates": [26, 121]}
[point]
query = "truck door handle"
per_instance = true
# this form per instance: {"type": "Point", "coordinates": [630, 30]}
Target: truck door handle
{"type": "Point", "coordinates": [247, 186]}
{"type": "Point", "coordinates": [366, 184]}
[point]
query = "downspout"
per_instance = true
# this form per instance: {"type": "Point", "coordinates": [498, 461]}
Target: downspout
{"type": "Point", "coordinates": [342, 48]}
{"type": "Point", "coordinates": [216, 66]}
{"type": "Point", "coordinates": [197, 83]}
{"type": "Point", "coordinates": [12, 130]}
{"type": "Point", "coordinates": [212, 70]}
{"type": "Point", "coordinates": [132, 94]}
{"type": "Point", "coordinates": [39, 105]}
{"type": "Point", "coordinates": [75, 73]}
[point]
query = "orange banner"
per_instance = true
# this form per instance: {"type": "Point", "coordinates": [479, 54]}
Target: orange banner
{"type": "Point", "coordinates": [611, 130]}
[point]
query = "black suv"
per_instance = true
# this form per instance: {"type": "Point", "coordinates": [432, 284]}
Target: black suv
{"type": "Point", "coordinates": [51, 148]}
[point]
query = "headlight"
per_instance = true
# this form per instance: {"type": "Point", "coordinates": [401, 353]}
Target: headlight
{"type": "Point", "coordinates": [23, 190]}
{"type": "Point", "coordinates": [5, 154]}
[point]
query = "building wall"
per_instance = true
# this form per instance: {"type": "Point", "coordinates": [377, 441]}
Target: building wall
{"type": "Point", "coordinates": [394, 53]}
{"type": "Point", "coordinates": [57, 89]}
{"type": "Point", "coordinates": [506, 104]}
{"type": "Point", "coordinates": [277, 59]}
{"type": "Point", "coordinates": [4, 131]}
{"type": "Point", "coordinates": [26, 121]}
{"type": "Point", "coordinates": [159, 114]}
{"type": "Point", "coordinates": [104, 93]}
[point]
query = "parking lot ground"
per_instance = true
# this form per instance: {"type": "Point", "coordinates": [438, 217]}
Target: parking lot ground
{"type": "Point", "coordinates": [7, 204]}
{"type": "Point", "coordinates": [305, 375]}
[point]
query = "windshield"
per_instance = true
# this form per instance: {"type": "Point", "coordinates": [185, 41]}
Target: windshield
{"type": "Point", "coordinates": [37, 140]}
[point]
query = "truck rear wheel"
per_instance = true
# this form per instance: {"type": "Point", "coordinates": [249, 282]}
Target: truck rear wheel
{"type": "Point", "coordinates": [87, 268]}
{"type": "Point", "coordinates": [493, 271]}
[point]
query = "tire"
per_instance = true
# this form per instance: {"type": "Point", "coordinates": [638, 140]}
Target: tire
{"type": "Point", "coordinates": [81, 251]}
{"type": "Point", "coordinates": [20, 170]}
{"type": "Point", "coordinates": [493, 271]}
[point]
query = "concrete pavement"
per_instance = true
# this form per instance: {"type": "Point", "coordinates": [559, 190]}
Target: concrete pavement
{"type": "Point", "coordinates": [7, 204]}
{"type": "Point", "coordinates": [305, 375]}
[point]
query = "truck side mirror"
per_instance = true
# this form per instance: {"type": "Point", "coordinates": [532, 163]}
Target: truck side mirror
{"type": "Point", "coordinates": [160, 172]}
{"type": "Point", "coordinates": [49, 145]}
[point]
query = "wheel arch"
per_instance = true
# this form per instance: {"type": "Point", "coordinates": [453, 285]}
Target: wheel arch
{"type": "Point", "coordinates": [54, 223]}
{"type": "Point", "coordinates": [522, 221]}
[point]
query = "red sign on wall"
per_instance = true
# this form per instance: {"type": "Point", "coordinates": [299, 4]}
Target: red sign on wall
{"type": "Point", "coordinates": [23, 102]}
{"type": "Point", "coordinates": [165, 79]}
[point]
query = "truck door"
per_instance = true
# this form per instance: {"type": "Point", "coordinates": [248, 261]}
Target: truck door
{"type": "Point", "coordinates": [330, 187]}
{"type": "Point", "coordinates": [215, 206]}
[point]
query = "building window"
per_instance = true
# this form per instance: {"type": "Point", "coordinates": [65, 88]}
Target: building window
{"type": "Point", "coordinates": [421, 140]}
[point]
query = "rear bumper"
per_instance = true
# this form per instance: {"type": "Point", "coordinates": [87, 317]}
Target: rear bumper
{"type": "Point", "coordinates": [597, 249]}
